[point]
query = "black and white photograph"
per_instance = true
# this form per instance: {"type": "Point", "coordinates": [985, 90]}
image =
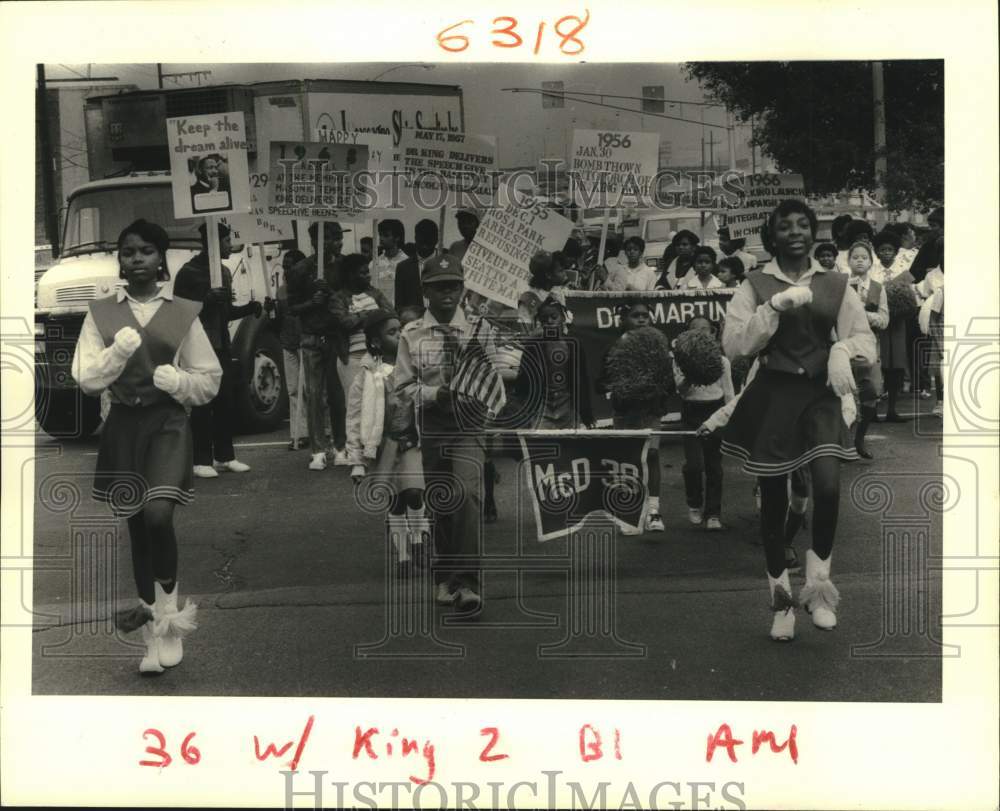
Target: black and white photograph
{"type": "Point", "coordinates": [602, 381]}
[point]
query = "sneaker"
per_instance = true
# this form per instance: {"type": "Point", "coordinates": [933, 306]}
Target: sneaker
{"type": "Point", "coordinates": [340, 458]}
{"type": "Point", "coordinates": [694, 515]}
{"type": "Point", "coordinates": [444, 595]}
{"type": "Point", "coordinates": [318, 461]}
{"type": "Point", "coordinates": [205, 472]}
{"type": "Point", "coordinates": [467, 600]}
{"type": "Point", "coordinates": [654, 522]}
{"type": "Point", "coordinates": [713, 523]}
{"type": "Point", "coordinates": [925, 394]}
{"type": "Point", "coordinates": [233, 466]}
{"type": "Point", "coordinates": [938, 410]}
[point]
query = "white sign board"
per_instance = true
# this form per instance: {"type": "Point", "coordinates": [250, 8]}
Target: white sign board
{"type": "Point", "coordinates": [381, 162]}
{"type": "Point", "coordinates": [316, 180]}
{"type": "Point", "coordinates": [208, 164]}
{"type": "Point", "coordinates": [496, 263]}
{"type": "Point", "coordinates": [610, 168]}
{"type": "Point", "coordinates": [455, 161]}
{"type": "Point", "coordinates": [761, 193]}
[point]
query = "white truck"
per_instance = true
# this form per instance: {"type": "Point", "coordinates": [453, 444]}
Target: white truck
{"type": "Point", "coordinates": [129, 167]}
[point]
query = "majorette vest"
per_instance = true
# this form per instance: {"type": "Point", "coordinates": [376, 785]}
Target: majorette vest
{"type": "Point", "coordinates": [161, 338]}
{"type": "Point", "coordinates": [801, 344]}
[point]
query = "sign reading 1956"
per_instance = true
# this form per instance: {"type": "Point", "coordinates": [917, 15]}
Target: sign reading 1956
{"type": "Point", "coordinates": [505, 34]}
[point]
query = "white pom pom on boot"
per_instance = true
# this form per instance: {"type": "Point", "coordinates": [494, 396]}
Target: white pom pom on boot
{"type": "Point", "coordinates": [783, 606]}
{"type": "Point", "coordinates": [819, 596]}
{"type": "Point", "coordinates": [172, 625]}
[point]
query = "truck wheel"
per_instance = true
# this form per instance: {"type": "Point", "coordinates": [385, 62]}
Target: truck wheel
{"type": "Point", "coordinates": [261, 399]}
{"type": "Point", "coordinates": [67, 413]}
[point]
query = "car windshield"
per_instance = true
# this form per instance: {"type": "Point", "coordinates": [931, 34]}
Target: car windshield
{"type": "Point", "coordinates": [663, 230]}
{"type": "Point", "coordinates": [96, 218]}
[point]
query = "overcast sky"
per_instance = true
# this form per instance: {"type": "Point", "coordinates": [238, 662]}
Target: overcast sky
{"type": "Point", "coordinates": [525, 131]}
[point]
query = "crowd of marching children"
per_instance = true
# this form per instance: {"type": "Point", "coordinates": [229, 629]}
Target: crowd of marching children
{"type": "Point", "coordinates": [386, 376]}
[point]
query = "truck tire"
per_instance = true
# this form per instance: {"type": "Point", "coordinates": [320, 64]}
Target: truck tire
{"type": "Point", "coordinates": [67, 413]}
{"type": "Point", "coordinates": [261, 396]}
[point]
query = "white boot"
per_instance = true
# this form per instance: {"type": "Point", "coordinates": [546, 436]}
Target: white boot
{"type": "Point", "coordinates": [172, 625]}
{"type": "Point", "coordinates": [783, 606]}
{"type": "Point", "coordinates": [819, 596]}
{"type": "Point", "coordinates": [151, 660]}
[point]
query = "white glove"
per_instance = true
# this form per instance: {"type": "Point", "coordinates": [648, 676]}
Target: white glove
{"type": "Point", "coordinates": [840, 377]}
{"type": "Point", "coordinates": [127, 340]}
{"type": "Point", "coordinates": [848, 409]}
{"type": "Point", "coordinates": [791, 298]}
{"type": "Point", "coordinates": [166, 378]}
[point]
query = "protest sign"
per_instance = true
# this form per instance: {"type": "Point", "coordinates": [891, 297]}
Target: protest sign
{"type": "Point", "coordinates": [596, 326]}
{"type": "Point", "coordinates": [496, 263]}
{"type": "Point", "coordinates": [571, 475]}
{"type": "Point", "coordinates": [455, 161]}
{"type": "Point", "coordinates": [760, 194]}
{"type": "Point", "coordinates": [316, 180]}
{"type": "Point", "coordinates": [609, 168]}
{"type": "Point", "coordinates": [209, 171]}
{"type": "Point", "coordinates": [258, 226]}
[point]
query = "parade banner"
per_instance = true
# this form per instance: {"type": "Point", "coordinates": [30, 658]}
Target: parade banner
{"type": "Point", "coordinates": [496, 263]}
{"type": "Point", "coordinates": [455, 161]}
{"type": "Point", "coordinates": [609, 167]}
{"type": "Point", "coordinates": [596, 326]}
{"type": "Point", "coordinates": [760, 194]}
{"type": "Point", "coordinates": [209, 170]}
{"type": "Point", "coordinates": [572, 475]}
{"type": "Point", "coordinates": [316, 180]}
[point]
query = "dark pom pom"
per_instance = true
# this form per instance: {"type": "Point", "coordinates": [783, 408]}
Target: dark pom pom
{"type": "Point", "coordinates": [699, 357]}
{"type": "Point", "coordinates": [638, 368]}
{"type": "Point", "coordinates": [740, 368]}
{"type": "Point", "coordinates": [901, 300]}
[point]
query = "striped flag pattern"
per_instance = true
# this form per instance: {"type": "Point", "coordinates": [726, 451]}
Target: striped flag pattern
{"type": "Point", "coordinates": [476, 377]}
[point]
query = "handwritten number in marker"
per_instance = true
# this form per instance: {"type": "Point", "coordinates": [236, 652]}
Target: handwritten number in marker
{"type": "Point", "coordinates": [189, 752]}
{"type": "Point", "coordinates": [509, 31]}
{"type": "Point", "coordinates": [571, 35]}
{"type": "Point", "coordinates": [485, 755]}
{"type": "Point", "coordinates": [159, 751]}
{"type": "Point", "coordinates": [442, 39]}
{"type": "Point", "coordinates": [505, 35]}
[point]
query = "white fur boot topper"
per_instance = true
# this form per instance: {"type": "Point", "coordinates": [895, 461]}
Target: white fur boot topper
{"type": "Point", "coordinates": [783, 606]}
{"type": "Point", "coordinates": [172, 625]}
{"type": "Point", "coordinates": [819, 596]}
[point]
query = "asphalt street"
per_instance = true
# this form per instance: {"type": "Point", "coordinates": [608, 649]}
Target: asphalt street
{"type": "Point", "coordinates": [295, 597]}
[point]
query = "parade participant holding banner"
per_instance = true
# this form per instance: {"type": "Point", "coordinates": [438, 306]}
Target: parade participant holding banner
{"type": "Point", "coordinates": [150, 350]}
{"type": "Point", "coordinates": [408, 292]}
{"type": "Point", "coordinates": [790, 414]}
{"type": "Point", "coordinates": [633, 274]}
{"type": "Point", "coordinates": [705, 384]}
{"type": "Point", "coordinates": [682, 244]}
{"type": "Point", "coordinates": [703, 277]}
{"type": "Point", "coordinates": [212, 424]}
{"type": "Point", "coordinates": [349, 307]}
{"type": "Point", "coordinates": [868, 378]}
{"type": "Point", "coordinates": [637, 377]}
{"type": "Point", "coordinates": [371, 407]}
{"type": "Point", "coordinates": [308, 300]}
{"type": "Point", "coordinates": [452, 451]}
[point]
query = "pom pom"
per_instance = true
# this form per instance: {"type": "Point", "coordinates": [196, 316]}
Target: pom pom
{"type": "Point", "coordinates": [699, 357]}
{"type": "Point", "coordinates": [901, 300]}
{"type": "Point", "coordinates": [638, 369]}
{"type": "Point", "coordinates": [740, 368]}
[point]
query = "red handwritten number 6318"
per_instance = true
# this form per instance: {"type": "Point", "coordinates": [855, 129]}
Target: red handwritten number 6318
{"type": "Point", "coordinates": [189, 752]}
{"type": "Point", "coordinates": [567, 28]}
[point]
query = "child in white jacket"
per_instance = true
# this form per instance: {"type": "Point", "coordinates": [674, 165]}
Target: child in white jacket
{"type": "Point", "coordinates": [373, 412]}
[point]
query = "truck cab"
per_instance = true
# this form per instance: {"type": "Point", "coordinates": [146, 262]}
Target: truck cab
{"type": "Point", "coordinates": [87, 269]}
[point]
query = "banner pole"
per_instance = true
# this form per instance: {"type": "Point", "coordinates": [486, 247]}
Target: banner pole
{"type": "Point", "coordinates": [214, 253]}
{"type": "Point", "coordinates": [319, 250]}
{"type": "Point", "coordinates": [604, 240]}
{"type": "Point", "coordinates": [441, 219]}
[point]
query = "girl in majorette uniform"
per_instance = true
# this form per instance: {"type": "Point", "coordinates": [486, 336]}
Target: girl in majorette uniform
{"type": "Point", "coordinates": [790, 415]}
{"type": "Point", "coordinates": [150, 350]}
{"type": "Point", "coordinates": [860, 259]}
{"type": "Point", "coordinates": [373, 413]}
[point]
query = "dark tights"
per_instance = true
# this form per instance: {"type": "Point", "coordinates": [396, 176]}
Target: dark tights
{"type": "Point", "coordinates": [408, 498]}
{"type": "Point", "coordinates": [154, 548]}
{"type": "Point", "coordinates": [774, 505]}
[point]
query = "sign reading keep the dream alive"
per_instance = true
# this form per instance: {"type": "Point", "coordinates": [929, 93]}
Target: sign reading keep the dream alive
{"type": "Point", "coordinates": [761, 193]}
{"type": "Point", "coordinates": [455, 161]}
{"type": "Point", "coordinates": [209, 171]}
{"type": "Point", "coordinates": [315, 180]}
{"type": "Point", "coordinates": [496, 263]}
{"type": "Point", "coordinates": [610, 167]}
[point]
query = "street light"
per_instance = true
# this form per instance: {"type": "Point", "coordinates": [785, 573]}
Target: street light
{"type": "Point", "coordinates": [423, 65]}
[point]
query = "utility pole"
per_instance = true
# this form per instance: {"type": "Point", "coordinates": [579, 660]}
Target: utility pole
{"type": "Point", "coordinates": [711, 150]}
{"type": "Point", "coordinates": [45, 155]}
{"type": "Point", "coordinates": [878, 93]}
{"type": "Point", "coordinates": [753, 145]}
{"type": "Point", "coordinates": [159, 75]}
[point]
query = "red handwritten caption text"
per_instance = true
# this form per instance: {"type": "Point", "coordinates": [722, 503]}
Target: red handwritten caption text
{"type": "Point", "coordinates": [370, 743]}
{"type": "Point", "coordinates": [505, 34]}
